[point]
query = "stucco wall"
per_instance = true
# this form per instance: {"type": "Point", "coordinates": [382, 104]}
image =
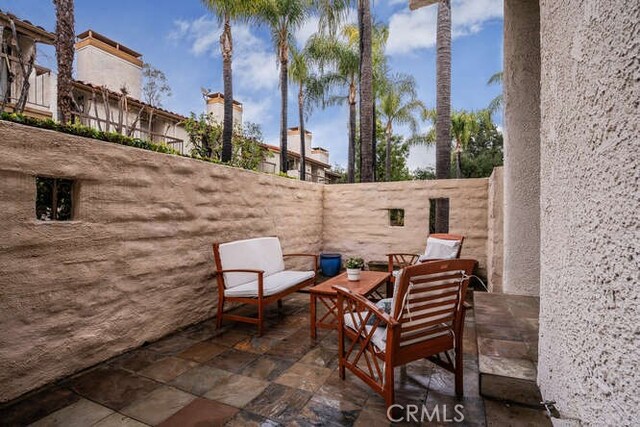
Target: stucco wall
{"type": "Point", "coordinates": [136, 264]}
{"type": "Point", "coordinates": [589, 357]}
{"type": "Point", "coordinates": [356, 218]}
{"type": "Point", "coordinates": [494, 228]}
{"type": "Point", "coordinates": [100, 68]}
{"type": "Point", "coordinates": [522, 147]}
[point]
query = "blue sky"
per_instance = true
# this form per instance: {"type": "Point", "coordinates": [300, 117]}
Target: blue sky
{"type": "Point", "coordinates": [181, 38]}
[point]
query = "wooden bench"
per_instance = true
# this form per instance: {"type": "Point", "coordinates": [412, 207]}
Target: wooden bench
{"type": "Point", "coordinates": [252, 271]}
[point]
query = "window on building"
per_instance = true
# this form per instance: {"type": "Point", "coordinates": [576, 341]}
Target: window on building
{"type": "Point", "coordinates": [54, 199]}
{"type": "Point", "coordinates": [396, 217]}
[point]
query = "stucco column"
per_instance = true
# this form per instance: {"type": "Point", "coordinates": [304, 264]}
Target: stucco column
{"type": "Point", "coordinates": [522, 147]}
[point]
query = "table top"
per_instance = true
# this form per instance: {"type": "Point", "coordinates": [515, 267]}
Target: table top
{"type": "Point", "coordinates": [369, 282]}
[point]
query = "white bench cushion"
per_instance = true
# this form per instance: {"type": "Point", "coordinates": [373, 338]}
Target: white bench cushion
{"type": "Point", "coordinates": [272, 284]}
{"type": "Point", "coordinates": [440, 249]}
{"type": "Point", "coordinates": [263, 253]}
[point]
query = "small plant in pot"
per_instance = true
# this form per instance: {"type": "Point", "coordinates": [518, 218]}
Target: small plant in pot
{"type": "Point", "coordinates": [354, 267]}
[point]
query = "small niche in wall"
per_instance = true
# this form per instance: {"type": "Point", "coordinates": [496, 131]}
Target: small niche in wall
{"type": "Point", "coordinates": [54, 199]}
{"type": "Point", "coordinates": [396, 217]}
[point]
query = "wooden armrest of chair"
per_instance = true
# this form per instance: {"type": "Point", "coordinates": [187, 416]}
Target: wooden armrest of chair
{"type": "Point", "coordinates": [368, 306]}
{"type": "Point", "coordinates": [314, 256]}
{"type": "Point", "coordinates": [402, 259]}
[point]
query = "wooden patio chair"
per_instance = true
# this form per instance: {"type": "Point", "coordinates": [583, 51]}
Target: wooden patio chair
{"type": "Point", "coordinates": [437, 248]}
{"type": "Point", "coordinates": [426, 321]}
{"type": "Point", "coordinates": [252, 272]}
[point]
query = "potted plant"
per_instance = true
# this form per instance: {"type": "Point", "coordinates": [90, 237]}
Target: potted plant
{"type": "Point", "coordinates": [354, 267]}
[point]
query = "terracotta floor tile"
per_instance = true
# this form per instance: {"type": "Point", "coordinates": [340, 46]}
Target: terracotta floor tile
{"type": "Point", "coordinates": [200, 379]}
{"type": "Point", "coordinates": [304, 377]}
{"type": "Point", "coordinates": [232, 360]}
{"type": "Point", "coordinates": [167, 369]}
{"type": "Point", "coordinates": [279, 403]}
{"type": "Point", "coordinates": [201, 412]}
{"type": "Point", "coordinates": [80, 414]}
{"type": "Point", "coordinates": [249, 419]}
{"type": "Point", "coordinates": [266, 368]}
{"type": "Point", "coordinates": [158, 405]}
{"type": "Point", "coordinates": [113, 388]}
{"type": "Point", "coordinates": [236, 390]}
{"type": "Point", "coordinates": [136, 360]}
{"type": "Point", "coordinates": [319, 411]}
{"type": "Point", "coordinates": [37, 406]}
{"type": "Point", "coordinates": [202, 351]}
{"type": "Point", "coordinates": [118, 420]}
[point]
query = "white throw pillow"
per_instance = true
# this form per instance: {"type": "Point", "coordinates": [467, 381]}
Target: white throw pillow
{"type": "Point", "coordinates": [440, 249]}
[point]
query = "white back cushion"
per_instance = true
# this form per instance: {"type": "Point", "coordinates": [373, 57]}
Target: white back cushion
{"type": "Point", "coordinates": [263, 253]}
{"type": "Point", "coordinates": [440, 249]}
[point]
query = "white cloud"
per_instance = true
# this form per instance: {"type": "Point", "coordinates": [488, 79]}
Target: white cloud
{"type": "Point", "coordinates": [256, 111]}
{"type": "Point", "coordinates": [254, 62]}
{"type": "Point", "coordinates": [409, 31]}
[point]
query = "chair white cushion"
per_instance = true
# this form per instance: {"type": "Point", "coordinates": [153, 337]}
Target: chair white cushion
{"type": "Point", "coordinates": [272, 284]}
{"type": "Point", "coordinates": [379, 337]}
{"type": "Point", "coordinates": [264, 253]}
{"type": "Point", "coordinates": [440, 249]}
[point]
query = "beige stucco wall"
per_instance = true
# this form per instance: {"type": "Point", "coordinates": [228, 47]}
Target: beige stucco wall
{"type": "Point", "coordinates": [136, 264]}
{"type": "Point", "coordinates": [495, 225]}
{"type": "Point", "coordinates": [589, 357]}
{"type": "Point", "coordinates": [356, 219]}
{"type": "Point", "coordinates": [522, 147]}
{"type": "Point", "coordinates": [100, 68]}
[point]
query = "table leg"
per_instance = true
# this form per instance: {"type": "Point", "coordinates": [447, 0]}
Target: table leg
{"type": "Point", "coordinates": [312, 316]}
{"type": "Point", "coordinates": [389, 288]}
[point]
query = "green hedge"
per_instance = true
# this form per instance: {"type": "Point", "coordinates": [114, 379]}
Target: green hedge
{"type": "Point", "coordinates": [88, 132]}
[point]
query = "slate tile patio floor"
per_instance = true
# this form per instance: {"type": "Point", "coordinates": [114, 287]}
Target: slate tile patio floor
{"type": "Point", "coordinates": [205, 377]}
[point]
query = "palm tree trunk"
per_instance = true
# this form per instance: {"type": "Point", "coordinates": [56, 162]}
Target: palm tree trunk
{"type": "Point", "coordinates": [387, 159]}
{"type": "Point", "coordinates": [458, 160]}
{"type": "Point", "coordinates": [366, 93]}
{"type": "Point", "coordinates": [351, 164]}
{"type": "Point", "coordinates": [226, 45]}
{"type": "Point", "coordinates": [443, 107]}
{"type": "Point", "coordinates": [303, 148]}
{"type": "Point", "coordinates": [283, 108]}
{"type": "Point", "coordinates": [65, 35]}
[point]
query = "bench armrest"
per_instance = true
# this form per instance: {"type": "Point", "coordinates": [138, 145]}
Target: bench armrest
{"type": "Point", "coordinates": [314, 256]}
{"type": "Point", "coordinates": [260, 273]}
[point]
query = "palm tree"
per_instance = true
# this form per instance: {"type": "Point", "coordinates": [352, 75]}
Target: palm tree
{"type": "Point", "coordinates": [443, 102]}
{"type": "Point", "coordinates": [496, 103]}
{"type": "Point", "coordinates": [283, 17]}
{"type": "Point", "coordinates": [342, 57]}
{"type": "Point", "coordinates": [463, 127]}
{"type": "Point", "coordinates": [65, 35]}
{"type": "Point", "coordinates": [399, 105]}
{"type": "Point", "coordinates": [226, 11]}
{"type": "Point", "coordinates": [365, 25]}
{"type": "Point", "coordinates": [331, 13]}
{"type": "Point", "coordinates": [339, 59]}
{"type": "Point", "coordinates": [310, 90]}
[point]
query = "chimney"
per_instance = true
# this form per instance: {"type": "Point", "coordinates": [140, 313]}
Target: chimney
{"type": "Point", "coordinates": [215, 106]}
{"type": "Point", "coordinates": [105, 62]}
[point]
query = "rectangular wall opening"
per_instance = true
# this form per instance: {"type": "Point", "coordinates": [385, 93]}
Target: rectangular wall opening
{"type": "Point", "coordinates": [54, 199]}
{"type": "Point", "coordinates": [396, 217]}
{"type": "Point", "coordinates": [433, 203]}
